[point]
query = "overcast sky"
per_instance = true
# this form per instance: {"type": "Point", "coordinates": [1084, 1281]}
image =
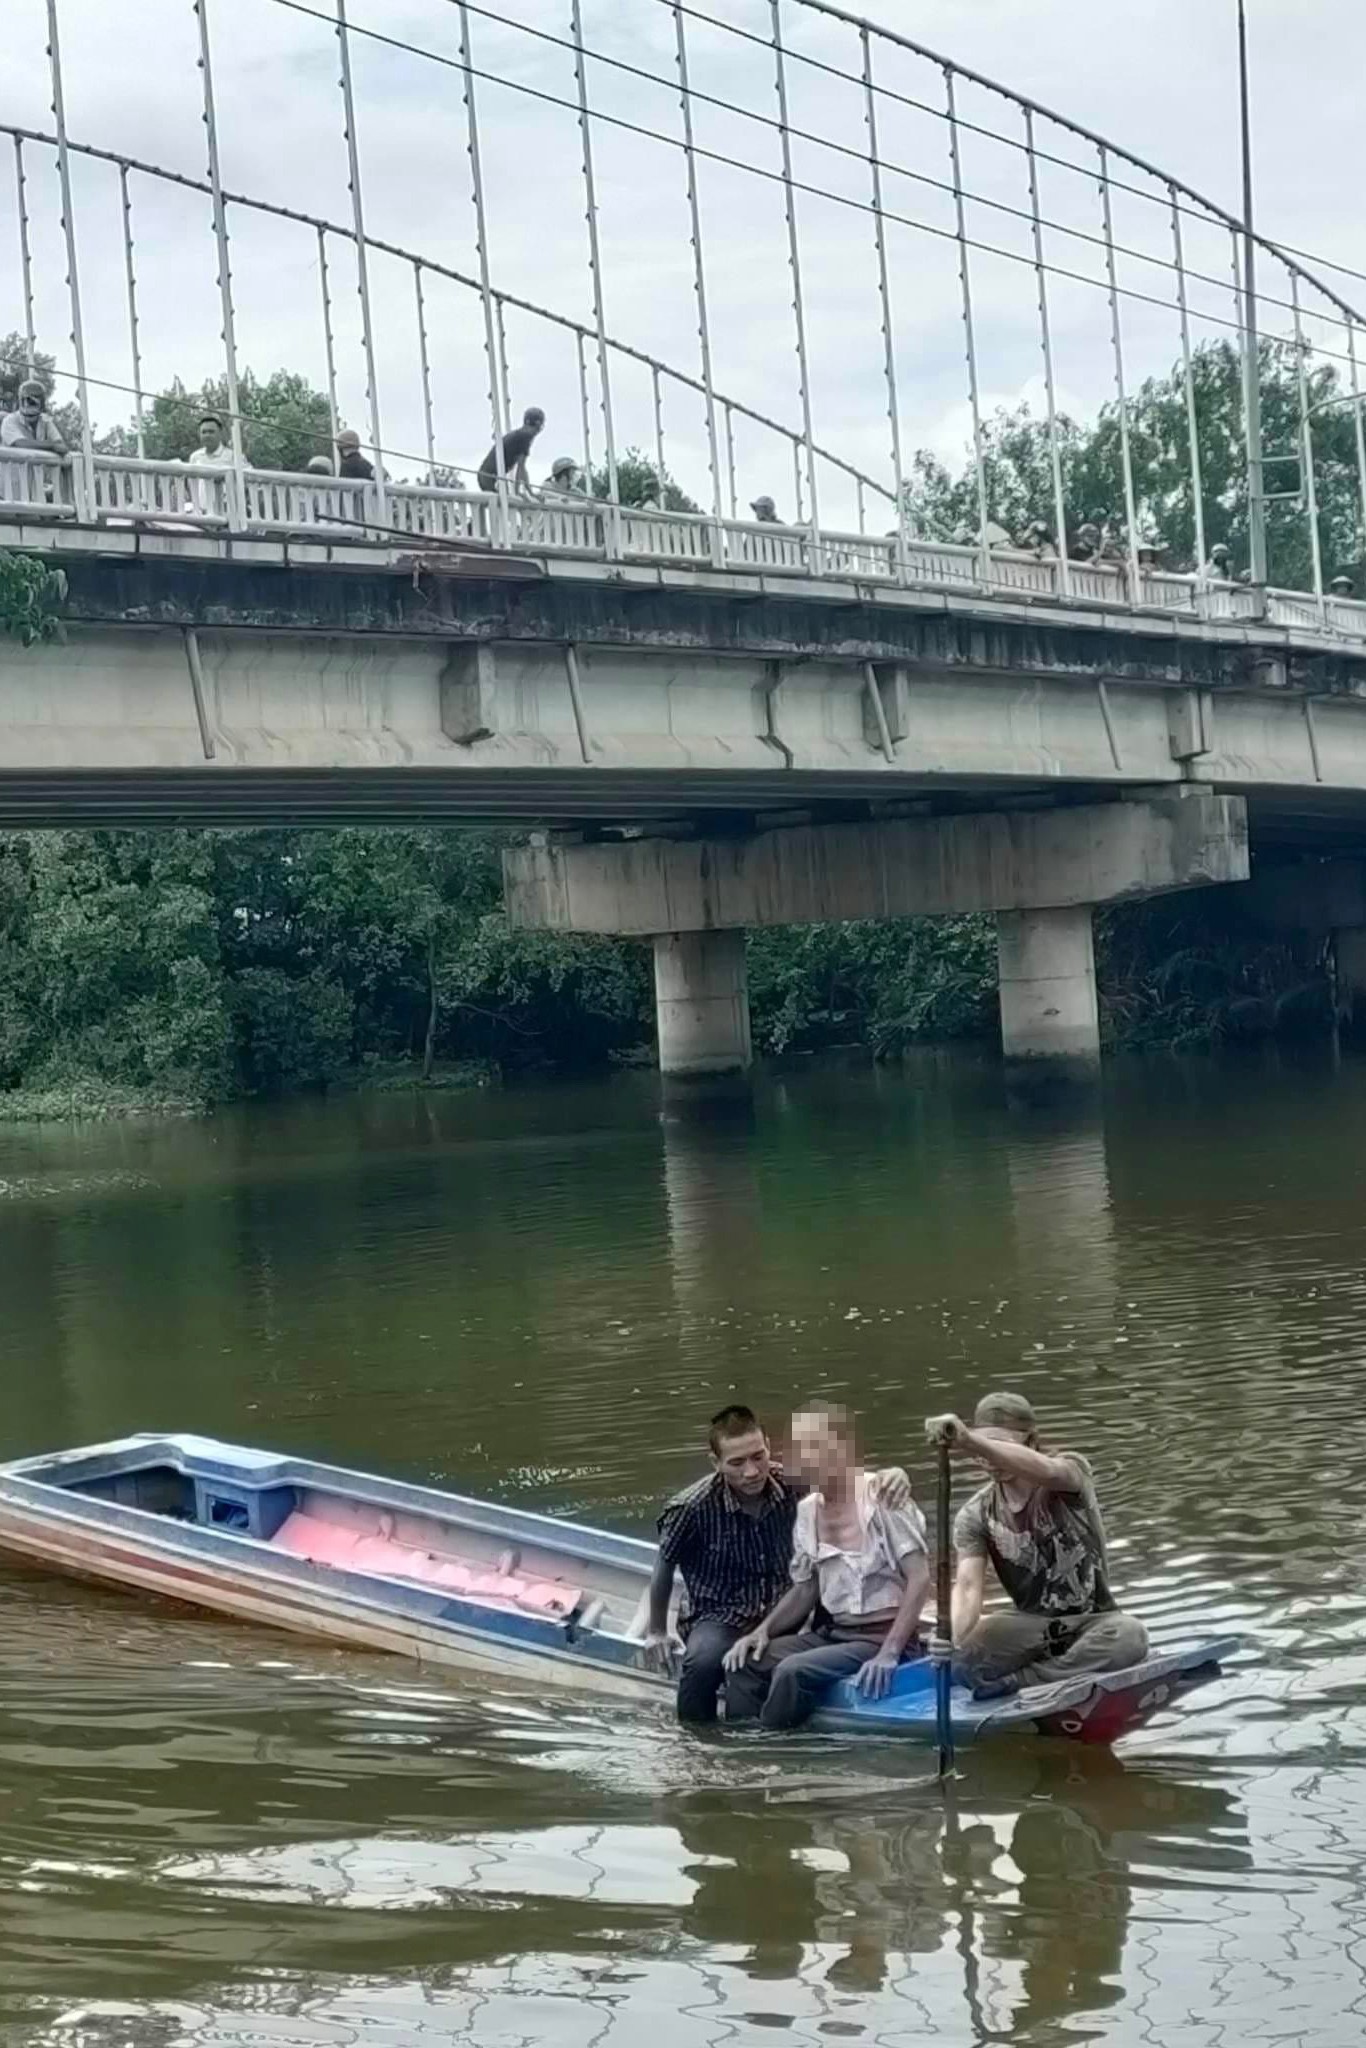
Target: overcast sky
{"type": "Point", "coordinates": [1156, 76]}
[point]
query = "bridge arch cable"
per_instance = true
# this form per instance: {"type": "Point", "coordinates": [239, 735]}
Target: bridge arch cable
{"type": "Point", "coordinates": [1199, 208]}
{"type": "Point", "coordinates": [1344, 316]}
{"type": "Point", "coordinates": [1178, 202]}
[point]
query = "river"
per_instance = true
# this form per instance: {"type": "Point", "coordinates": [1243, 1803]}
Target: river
{"type": "Point", "coordinates": [217, 1836]}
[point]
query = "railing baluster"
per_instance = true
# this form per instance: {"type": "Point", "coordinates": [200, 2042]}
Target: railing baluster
{"type": "Point", "coordinates": [220, 231]}
{"type": "Point", "coordinates": [72, 270]}
{"type": "Point", "coordinates": [885, 295]}
{"type": "Point", "coordinates": [1125, 456]}
{"type": "Point", "coordinates": [25, 256]}
{"type": "Point", "coordinates": [965, 280]}
{"type": "Point", "coordinates": [1188, 376]}
{"type": "Point", "coordinates": [426, 373]}
{"type": "Point", "coordinates": [730, 463]}
{"type": "Point", "coordinates": [794, 258]}
{"type": "Point", "coordinates": [659, 432]}
{"type": "Point", "coordinates": [328, 345]}
{"type": "Point", "coordinates": [595, 268]}
{"type": "Point", "coordinates": [699, 271]}
{"type": "Point", "coordinates": [1311, 496]}
{"type": "Point", "coordinates": [481, 234]}
{"type": "Point", "coordinates": [362, 254]}
{"type": "Point", "coordinates": [504, 370]}
{"type": "Point", "coordinates": [130, 281]}
{"type": "Point", "coordinates": [1050, 388]}
{"type": "Point", "coordinates": [585, 412]}
{"type": "Point", "coordinates": [1360, 428]}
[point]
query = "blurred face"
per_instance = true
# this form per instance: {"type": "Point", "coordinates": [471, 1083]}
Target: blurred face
{"type": "Point", "coordinates": [995, 1434]}
{"type": "Point", "coordinates": [210, 434]}
{"type": "Point", "coordinates": [821, 1452]}
{"type": "Point", "coordinates": [31, 404]}
{"type": "Point", "coordinates": [744, 1463]}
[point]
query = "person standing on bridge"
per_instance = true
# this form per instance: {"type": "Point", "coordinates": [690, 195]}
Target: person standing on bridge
{"type": "Point", "coordinates": [1219, 567]}
{"type": "Point", "coordinates": [31, 428]}
{"type": "Point", "coordinates": [350, 462]}
{"type": "Point", "coordinates": [1038, 1523]}
{"type": "Point", "coordinates": [765, 511]}
{"type": "Point", "coordinates": [510, 461]}
{"type": "Point", "coordinates": [211, 452]}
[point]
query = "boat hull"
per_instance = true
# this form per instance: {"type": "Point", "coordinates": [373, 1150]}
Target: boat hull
{"type": "Point", "coordinates": [77, 1513]}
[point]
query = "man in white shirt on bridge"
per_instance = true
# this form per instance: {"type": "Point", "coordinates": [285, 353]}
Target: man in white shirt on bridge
{"type": "Point", "coordinates": [30, 428]}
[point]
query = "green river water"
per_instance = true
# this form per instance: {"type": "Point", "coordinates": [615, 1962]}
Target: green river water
{"type": "Point", "coordinates": [215, 1835]}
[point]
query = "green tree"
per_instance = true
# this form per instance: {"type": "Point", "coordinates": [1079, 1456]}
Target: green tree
{"type": "Point", "coordinates": [284, 421]}
{"type": "Point", "coordinates": [118, 976]}
{"type": "Point", "coordinates": [638, 481]}
{"type": "Point", "coordinates": [1018, 467]}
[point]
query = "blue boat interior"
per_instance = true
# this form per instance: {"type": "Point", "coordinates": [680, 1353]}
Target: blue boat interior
{"type": "Point", "coordinates": [476, 1552]}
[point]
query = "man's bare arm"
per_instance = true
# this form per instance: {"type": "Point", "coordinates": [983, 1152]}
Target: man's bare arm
{"type": "Point", "coordinates": [661, 1586]}
{"type": "Point", "coordinates": [969, 1591]}
{"type": "Point", "coordinates": [1006, 1458]}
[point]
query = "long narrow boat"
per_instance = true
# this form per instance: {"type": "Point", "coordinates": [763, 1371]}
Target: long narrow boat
{"type": "Point", "coordinates": [448, 1580]}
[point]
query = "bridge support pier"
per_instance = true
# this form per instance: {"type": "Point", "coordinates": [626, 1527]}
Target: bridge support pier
{"type": "Point", "coordinates": [1047, 980]}
{"type": "Point", "coordinates": [702, 1002]}
{"type": "Point", "coordinates": [1041, 872]}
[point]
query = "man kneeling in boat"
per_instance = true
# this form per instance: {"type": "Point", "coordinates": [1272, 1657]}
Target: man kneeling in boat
{"type": "Point", "coordinates": [863, 1564]}
{"type": "Point", "coordinates": [730, 1535]}
{"type": "Point", "coordinates": [1038, 1522]}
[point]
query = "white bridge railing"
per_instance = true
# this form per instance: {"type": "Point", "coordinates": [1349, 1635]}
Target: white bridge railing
{"type": "Point", "coordinates": [174, 497]}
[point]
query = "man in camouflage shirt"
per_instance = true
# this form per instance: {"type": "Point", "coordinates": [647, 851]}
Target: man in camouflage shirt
{"type": "Point", "coordinates": [1038, 1523]}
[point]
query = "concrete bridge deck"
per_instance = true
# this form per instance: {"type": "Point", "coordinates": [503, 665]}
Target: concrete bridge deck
{"type": "Point", "coordinates": [224, 680]}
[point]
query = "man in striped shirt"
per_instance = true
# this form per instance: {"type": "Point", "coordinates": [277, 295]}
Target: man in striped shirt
{"type": "Point", "coordinates": [730, 1536]}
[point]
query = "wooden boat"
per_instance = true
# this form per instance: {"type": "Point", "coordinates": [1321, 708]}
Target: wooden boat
{"type": "Point", "coordinates": [446, 1579]}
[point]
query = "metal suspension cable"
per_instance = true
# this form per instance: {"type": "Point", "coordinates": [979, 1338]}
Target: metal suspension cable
{"type": "Point", "coordinates": [859, 156]}
{"type": "Point", "coordinates": [1072, 127]}
{"type": "Point", "coordinates": [817, 191]}
{"type": "Point", "coordinates": [320, 224]}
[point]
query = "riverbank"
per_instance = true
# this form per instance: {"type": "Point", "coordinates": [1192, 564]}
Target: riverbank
{"type": "Point", "coordinates": [172, 972]}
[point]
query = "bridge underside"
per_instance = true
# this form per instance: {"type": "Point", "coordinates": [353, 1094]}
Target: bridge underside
{"type": "Point", "coordinates": [601, 803]}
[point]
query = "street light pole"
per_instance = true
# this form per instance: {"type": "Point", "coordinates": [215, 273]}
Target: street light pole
{"type": "Point", "coordinates": [1252, 388]}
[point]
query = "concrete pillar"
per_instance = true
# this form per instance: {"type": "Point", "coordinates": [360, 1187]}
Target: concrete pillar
{"type": "Point", "coordinates": [702, 1002]}
{"type": "Point", "coordinates": [1048, 984]}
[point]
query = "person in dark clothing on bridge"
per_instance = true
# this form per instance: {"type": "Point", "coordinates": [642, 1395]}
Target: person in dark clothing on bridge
{"type": "Point", "coordinates": [516, 448]}
{"type": "Point", "coordinates": [730, 1536]}
{"type": "Point", "coordinates": [350, 461]}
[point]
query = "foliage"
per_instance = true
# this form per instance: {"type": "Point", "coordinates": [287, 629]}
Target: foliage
{"type": "Point", "coordinates": [284, 421]}
{"type": "Point", "coordinates": [1185, 972]}
{"type": "Point", "coordinates": [638, 480]}
{"type": "Point", "coordinates": [886, 984]}
{"type": "Point", "coordinates": [1019, 474]}
{"type": "Point", "coordinates": [31, 597]}
{"type": "Point", "coordinates": [198, 966]}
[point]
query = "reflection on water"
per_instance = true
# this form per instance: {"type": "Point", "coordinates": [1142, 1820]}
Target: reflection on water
{"type": "Point", "coordinates": [211, 1835]}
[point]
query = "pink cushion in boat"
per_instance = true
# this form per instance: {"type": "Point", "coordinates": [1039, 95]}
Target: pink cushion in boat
{"type": "Point", "coordinates": [323, 1542]}
{"type": "Point", "coordinates": [309, 1536]}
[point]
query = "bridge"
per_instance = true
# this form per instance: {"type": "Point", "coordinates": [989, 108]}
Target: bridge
{"type": "Point", "coordinates": [866, 705]}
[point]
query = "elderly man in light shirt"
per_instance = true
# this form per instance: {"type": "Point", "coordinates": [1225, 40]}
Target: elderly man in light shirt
{"type": "Point", "coordinates": [864, 1564]}
{"type": "Point", "coordinates": [30, 428]}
